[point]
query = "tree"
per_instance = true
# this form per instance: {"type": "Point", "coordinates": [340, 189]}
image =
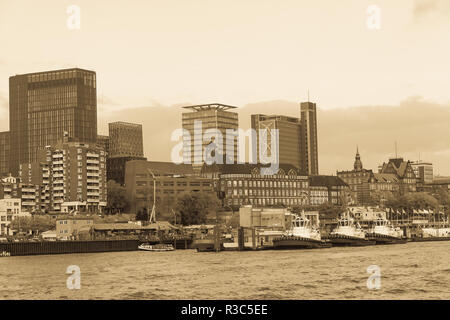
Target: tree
{"type": "Point", "coordinates": [117, 200]}
{"type": "Point", "coordinates": [443, 197]}
{"type": "Point", "coordinates": [37, 224]}
{"type": "Point", "coordinates": [142, 215]}
{"type": "Point", "coordinates": [194, 207]}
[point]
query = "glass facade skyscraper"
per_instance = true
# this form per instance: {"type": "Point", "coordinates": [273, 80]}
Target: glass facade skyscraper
{"type": "Point", "coordinates": [289, 137]}
{"type": "Point", "coordinates": [125, 140]}
{"type": "Point", "coordinates": [44, 105]}
{"type": "Point", "coordinates": [310, 157]}
{"type": "Point", "coordinates": [4, 153]}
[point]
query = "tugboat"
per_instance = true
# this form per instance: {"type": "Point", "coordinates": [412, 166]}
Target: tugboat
{"type": "Point", "coordinates": [301, 235]}
{"type": "Point", "coordinates": [384, 233]}
{"type": "Point", "coordinates": [156, 247]}
{"type": "Point", "coordinates": [349, 233]}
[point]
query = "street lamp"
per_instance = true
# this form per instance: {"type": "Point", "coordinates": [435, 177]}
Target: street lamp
{"type": "Point", "coordinates": [152, 217]}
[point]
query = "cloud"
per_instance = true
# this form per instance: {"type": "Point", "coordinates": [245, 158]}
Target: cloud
{"type": "Point", "coordinates": [425, 8]}
{"type": "Point", "coordinates": [418, 126]}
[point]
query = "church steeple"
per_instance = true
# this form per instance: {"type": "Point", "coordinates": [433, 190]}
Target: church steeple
{"type": "Point", "coordinates": [358, 164]}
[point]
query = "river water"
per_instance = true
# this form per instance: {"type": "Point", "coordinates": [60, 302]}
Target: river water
{"type": "Point", "coordinates": [408, 271]}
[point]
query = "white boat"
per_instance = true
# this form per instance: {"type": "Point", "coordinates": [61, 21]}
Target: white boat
{"type": "Point", "coordinates": [300, 235]}
{"type": "Point", "coordinates": [156, 247]}
{"type": "Point", "coordinates": [436, 232]}
{"type": "Point", "coordinates": [383, 232]}
{"type": "Point", "coordinates": [349, 232]}
{"type": "Point", "coordinates": [301, 227]}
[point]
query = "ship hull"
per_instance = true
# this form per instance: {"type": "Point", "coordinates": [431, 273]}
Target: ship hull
{"type": "Point", "coordinates": [421, 239]}
{"type": "Point", "coordinates": [385, 239]}
{"type": "Point", "coordinates": [343, 240]}
{"type": "Point", "coordinates": [299, 243]}
{"type": "Point", "coordinates": [206, 245]}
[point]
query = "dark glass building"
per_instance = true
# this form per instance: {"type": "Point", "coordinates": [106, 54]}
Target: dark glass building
{"type": "Point", "coordinates": [289, 135]}
{"type": "Point", "coordinates": [309, 147]}
{"type": "Point", "coordinates": [4, 153]}
{"type": "Point", "coordinates": [44, 105]}
{"type": "Point", "coordinates": [125, 140]}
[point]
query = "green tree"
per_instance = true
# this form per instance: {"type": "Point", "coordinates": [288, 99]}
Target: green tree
{"type": "Point", "coordinates": [194, 207]}
{"type": "Point", "coordinates": [117, 200]}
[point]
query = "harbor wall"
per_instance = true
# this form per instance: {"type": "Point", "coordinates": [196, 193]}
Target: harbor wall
{"type": "Point", "coordinates": [60, 247]}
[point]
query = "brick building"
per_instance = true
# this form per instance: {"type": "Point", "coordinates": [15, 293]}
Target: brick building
{"type": "Point", "coordinates": [171, 181]}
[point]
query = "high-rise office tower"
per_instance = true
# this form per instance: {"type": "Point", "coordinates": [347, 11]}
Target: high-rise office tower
{"type": "Point", "coordinates": [203, 120]}
{"type": "Point", "coordinates": [289, 137]}
{"type": "Point", "coordinates": [423, 171]}
{"type": "Point", "coordinates": [125, 140]}
{"type": "Point", "coordinates": [103, 141]}
{"type": "Point", "coordinates": [44, 105]}
{"type": "Point", "coordinates": [309, 148]}
{"type": "Point", "coordinates": [124, 143]}
{"type": "Point", "coordinates": [4, 153]}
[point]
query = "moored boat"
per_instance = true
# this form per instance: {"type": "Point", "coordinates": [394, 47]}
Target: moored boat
{"type": "Point", "coordinates": [433, 234]}
{"type": "Point", "coordinates": [349, 233]}
{"type": "Point", "coordinates": [156, 247]}
{"type": "Point", "coordinates": [301, 235]}
{"type": "Point", "coordinates": [207, 245]}
{"type": "Point", "coordinates": [384, 233]}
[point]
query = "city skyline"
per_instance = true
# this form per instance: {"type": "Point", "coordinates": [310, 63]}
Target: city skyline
{"type": "Point", "coordinates": [305, 59]}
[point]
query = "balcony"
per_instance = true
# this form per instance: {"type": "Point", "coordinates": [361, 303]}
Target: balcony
{"type": "Point", "coordinates": [92, 161]}
{"type": "Point", "coordinates": [92, 155]}
{"type": "Point", "coordinates": [93, 174]}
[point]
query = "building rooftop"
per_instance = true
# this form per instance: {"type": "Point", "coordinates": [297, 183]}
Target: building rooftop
{"type": "Point", "coordinates": [161, 168]}
{"type": "Point", "coordinates": [385, 177]}
{"type": "Point", "coordinates": [50, 71]}
{"type": "Point", "coordinates": [125, 124]}
{"type": "Point", "coordinates": [321, 181]}
{"type": "Point", "coordinates": [245, 168]}
{"type": "Point", "coordinates": [211, 106]}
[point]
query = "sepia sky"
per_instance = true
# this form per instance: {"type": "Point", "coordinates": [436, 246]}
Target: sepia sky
{"type": "Point", "coordinates": [373, 87]}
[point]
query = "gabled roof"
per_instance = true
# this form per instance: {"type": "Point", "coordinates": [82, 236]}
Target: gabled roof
{"type": "Point", "coordinates": [398, 165]}
{"type": "Point", "coordinates": [326, 181]}
{"type": "Point", "coordinates": [385, 177]}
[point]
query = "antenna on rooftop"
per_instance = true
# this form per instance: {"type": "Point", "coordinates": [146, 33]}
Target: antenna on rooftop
{"type": "Point", "coordinates": [396, 155]}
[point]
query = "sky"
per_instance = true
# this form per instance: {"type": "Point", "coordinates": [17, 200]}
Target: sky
{"type": "Point", "coordinates": [372, 86]}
